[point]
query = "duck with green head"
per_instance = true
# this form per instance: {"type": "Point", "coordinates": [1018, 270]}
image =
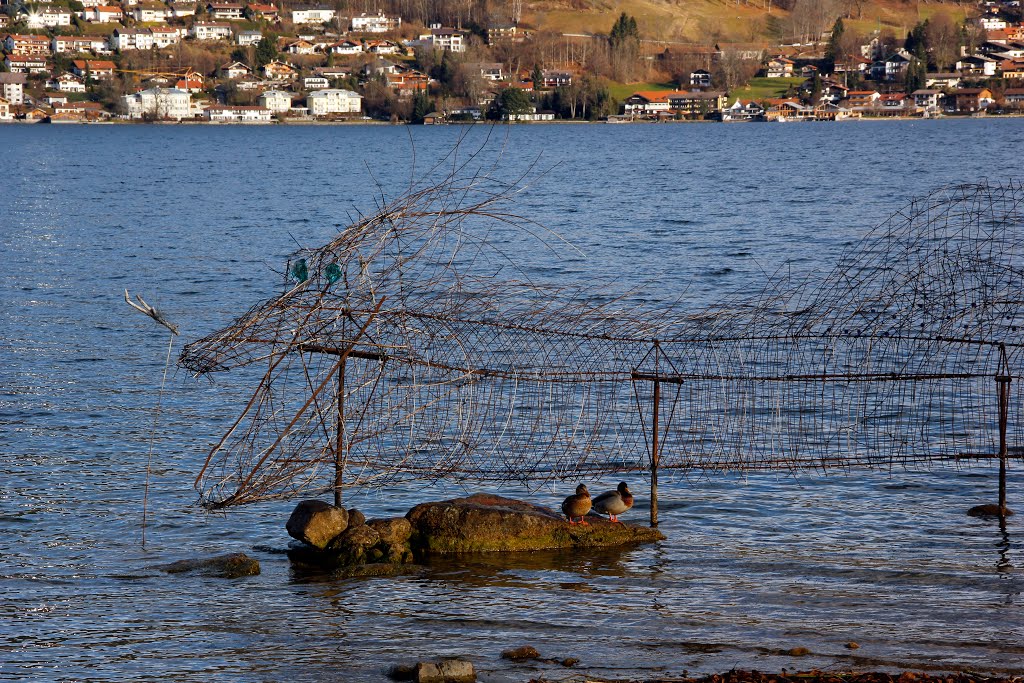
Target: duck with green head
{"type": "Point", "coordinates": [614, 503]}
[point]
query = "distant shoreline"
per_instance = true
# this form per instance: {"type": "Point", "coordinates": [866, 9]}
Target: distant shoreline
{"type": "Point", "coordinates": [507, 123]}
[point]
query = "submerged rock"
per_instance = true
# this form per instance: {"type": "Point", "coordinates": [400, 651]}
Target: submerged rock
{"type": "Point", "coordinates": [990, 510]}
{"type": "Point", "coordinates": [445, 671]}
{"type": "Point", "coordinates": [488, 523]}
{"type": "Point", "coordinates": [521, 654]}
{"type": "Point", "coordinates": [231, 566]}
{"type": "Point", "coordinates": [316, 523]}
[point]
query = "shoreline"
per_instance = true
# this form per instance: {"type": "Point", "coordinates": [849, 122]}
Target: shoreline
{"type": "Point", "coordinates": [492, 123]}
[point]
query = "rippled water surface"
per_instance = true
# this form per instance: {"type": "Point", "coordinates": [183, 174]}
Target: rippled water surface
{"type": "Point", "coordinates": [199, 219]}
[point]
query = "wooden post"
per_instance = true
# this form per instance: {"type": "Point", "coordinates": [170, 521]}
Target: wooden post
{"type": "Point", "coordinates": [655, 456]}
{"type": "Point", "coordinates": [339, 446]}
{"type": "Point", "coordinates": [1003, 380]}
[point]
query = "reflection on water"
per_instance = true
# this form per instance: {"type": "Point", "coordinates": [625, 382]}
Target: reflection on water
{"type": "Point", "coordinates": [752, 567]}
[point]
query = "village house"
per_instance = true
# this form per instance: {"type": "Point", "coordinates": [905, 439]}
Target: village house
{"type": "Point", "coordinates": [700, 78]}
{"type": "Point", "coordinates": [191, 82]}
{"type": "Point", "coordinates": [98, 69]}
{"type": "Point", "coordinates": [1012, 70]}
{"type": "Point", "coordinates": [646, 103]}
{"type": "Point", "coordinates": [211, 30]}
{"type": "Point", "coordinates": [861, 98]}
{"type": "Point", "coordinates": [556, 79]}
{"type": "Point", "coordinates": [927, 99]}
{"type": "Point", "coordinates": [256, 10]}
{"type": "Point", "coordinates": [102, 14]}
{"type": "Point", "coordinates": [181, 10]}
{"type": "Point", "coordinates": [52, 98]}
{"type": "Point", "coordinates": [335, 101]}
{"type": "Point", "coordinates": [165, 36]}
{"type": "Point", "coordinates": [697, 103]}
{"type": "Point", "coordinates": [442, 38]}
{"type": "Point", "coordinates": [977, 66]}
{"type": "Point", "coordinates": [276, 101]}
{"type": "Point", "coordinates": [25, 64]}
{"type": "Point", "coordinates": [250, 37]}
{"type": "Point", "coordinates": [895, 103]}
{"type": "Point", "coordinates": [27, 44]}
{"type": "Point", "coordinates": [97, 45]}
{"type": "Point", "coordinates": [535, 115]}
{"type": "Point", "coordinates": [225, 114]}
{"type": "Point", "coordinates": [503, 32]}
{"type": "Point", "coordinates": [66, 82]}
{"type": "Point", "coordinates": [150, 13]}
{"type": "Point", "coordinates": [992, 22]}
{"type": "Point", "coordinates": [315, 83]}
{"type": "Point", "coordinates": [788, 110]}
{"type": "Point", "coordinates": [4, 20]}
{"type": "Point", "coordinates": [948, 81]}
{"type": "Point", "coordinates": [300, 47]}
{"type": "Point", "coordinates": [489, 71]}
{"type": "Point", "coordinates": [46, 17]}
{"type": "Point", "coordinates": [407, 83]}
{"type": "Point", "coordinates": [374, 23]}
{"type": "Point", "coordinates": [378, 67]}
{"type": "Point", "coordinates": [278, 71]}
{"type": "Point", "coordinates": [230, 11]}
{"type": "Point", "coordinates": [234, 70]}
{"type": "Point", "coordinates": [1014, 98]}
{"type": "Point", "coordinates": [382, 47]}
{"type": "Point", "coordinates": [743, 111]}
{"type": "Point", "coordinates": [12, 87]}
{"type": "Point", "coordinates": [333, 72]}
{"type": "Point", "coordinates": [892, 68]}
{"type": "Point", "coordinates": [312, 15]}
{"type": "Point", "coordinates": [346, 47]}
{"type": "Point", "coordinates": [79, 111]}
{"type": "Point", "coordinates": [158, 104]}
{"type": "Point", "coordinates": [123, 39]}
{"type": "Point", "coordinates": [779, 67]}
{"type": "Point", "coordinates": [970, 100]}
{"type": "Point", "coordinates": [5, 110]}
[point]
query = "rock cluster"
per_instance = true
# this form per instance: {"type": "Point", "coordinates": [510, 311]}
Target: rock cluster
{"type": "Point", "coordinates": [337, 538]}
{"type": "Point", "coordinates": [347, 538]}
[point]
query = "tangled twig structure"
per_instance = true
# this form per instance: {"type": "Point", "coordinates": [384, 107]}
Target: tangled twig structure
{"type": "Point", "coordinates": [410, 348]}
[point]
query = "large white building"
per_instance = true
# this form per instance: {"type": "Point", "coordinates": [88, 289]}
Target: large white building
{"type": "Point", "coordinates": [131, 39]}
{"type": "Point", "coordinates": [331, 101]}
{"type": "Point", "coordinates": [375, 23]}
{"type": "Point", "coordinates": [12, 87]}
{"type": "Point", "coordinates": [312, 15]}
{"type": "Point", "coordinates": [46, 17]}
{"type": "Point", "coordinates": [159, 103]}
{"type": "Point", "coordinates": [277, 101]}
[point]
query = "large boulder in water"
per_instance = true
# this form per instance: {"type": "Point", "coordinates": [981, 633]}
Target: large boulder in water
{"type": "Point", "coordinates": [316, 523]}
{"type": "Point", "coordinates": [488, 523]}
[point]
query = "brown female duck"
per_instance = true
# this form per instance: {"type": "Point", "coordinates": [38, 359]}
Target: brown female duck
{"type": "Point", "coordinates": [577, 505]}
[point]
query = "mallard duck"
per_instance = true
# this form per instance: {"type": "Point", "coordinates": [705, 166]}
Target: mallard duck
{"type": "Point", "coordinates": [614, 503]}
{"type": "Point", "coordinates": [577, 505]}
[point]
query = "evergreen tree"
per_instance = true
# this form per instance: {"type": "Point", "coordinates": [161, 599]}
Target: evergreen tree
{"type": "Point", "coordinates": [510, 101]}
{"type": "Point", "coordinates": [624, 33]}
{"type": "Point", "coordinates": [916, 76]}
{"type": "Point", "coordinates": [266, 52]}
{"type": "Point", "coordinates": [537, 76]}
{"type": "Point", "coordinates": [420, 107]}
{"type": "Point", "coordinates": [832, 51]}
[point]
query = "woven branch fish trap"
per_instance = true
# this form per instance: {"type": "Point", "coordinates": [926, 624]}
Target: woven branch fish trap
{"type": "Point", "coordinates": [410, 347]}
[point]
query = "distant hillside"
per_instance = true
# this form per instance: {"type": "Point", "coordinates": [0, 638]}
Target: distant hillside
{"type": "Point", "coordinates": [722, 21]}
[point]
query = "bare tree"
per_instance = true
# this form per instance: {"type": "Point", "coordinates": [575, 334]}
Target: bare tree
{"type": "Point", "coordinates": [943, 38]}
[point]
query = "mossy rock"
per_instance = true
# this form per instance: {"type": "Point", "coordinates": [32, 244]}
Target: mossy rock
{"type": "Point", "coordinates": [231, 566]}
{"type": "Point", "coordinates": [489, 523]}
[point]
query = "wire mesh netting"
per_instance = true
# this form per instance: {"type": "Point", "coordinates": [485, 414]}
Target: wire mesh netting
{"type": "Point", "coordinates": [399, 351]}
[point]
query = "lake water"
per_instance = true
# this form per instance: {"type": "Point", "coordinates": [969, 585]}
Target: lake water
{"type": "Point", "coordinates": [199, 220]}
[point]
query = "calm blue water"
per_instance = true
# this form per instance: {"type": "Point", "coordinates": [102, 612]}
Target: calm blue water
{"type": "Point", "coordinates": [198, 221]}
